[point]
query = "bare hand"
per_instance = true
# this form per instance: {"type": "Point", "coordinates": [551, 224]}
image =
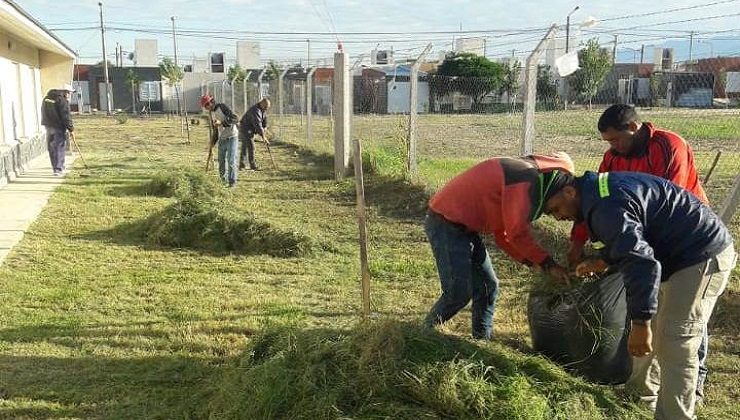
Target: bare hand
{"type": "Point", "coordinates": [591, 267]}
{"type": "Point", "coordinates": [640, 340]}
{"type": "Point", "coordinates": [575, 254]}
{"type": "Point", "coordinates": [216, 123]}
{"type": "Point", "coordinates": [559, 274]}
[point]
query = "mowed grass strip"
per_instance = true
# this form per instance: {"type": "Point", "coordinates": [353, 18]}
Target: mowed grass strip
{"type": "Point", "coordinates": [99, 324]}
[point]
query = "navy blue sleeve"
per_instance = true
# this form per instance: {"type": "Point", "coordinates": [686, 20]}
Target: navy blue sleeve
{"type": "Point", "coordinates": [615, 224]}
{"type": "Point", "coordinates": [258, 121]}
{"type": "Point", "coordinates": [230, 117]}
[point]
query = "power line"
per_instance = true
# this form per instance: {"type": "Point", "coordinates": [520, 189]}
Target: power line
{"type": "Point", "coordinates": [660, 12]}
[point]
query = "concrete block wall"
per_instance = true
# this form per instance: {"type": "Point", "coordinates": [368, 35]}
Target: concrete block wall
{"type": "Point", "coordinates": [15, 160]}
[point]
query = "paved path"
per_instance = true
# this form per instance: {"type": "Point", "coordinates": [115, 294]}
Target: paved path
{"type": "Point", "coordinates": [22, 200]}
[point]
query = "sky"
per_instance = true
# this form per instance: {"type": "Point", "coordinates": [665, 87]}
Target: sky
{"type": "Point", "coordinates": [283, 26]}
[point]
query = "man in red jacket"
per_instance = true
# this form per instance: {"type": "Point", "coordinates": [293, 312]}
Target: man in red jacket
{"type": "Point", "coordinates": [641, 147]}
{"type": "Point", "coordinates": [500, 196]}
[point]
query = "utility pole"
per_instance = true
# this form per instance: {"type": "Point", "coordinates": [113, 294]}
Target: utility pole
{"type": "Point", "coordinates": [308, 53]}
{"type": "Point", "coordinates": [179, 94]}
{"type": "Point", "coordinates": [174, 38]}
{"type": "Point", "coordinates": [642, 53]}
{"type": "Point", "coordinates": [614, 50]}
{"type": "Point", "coordinates": [109, 100]}
{"type": "Point", "coordinates": [691, 46]}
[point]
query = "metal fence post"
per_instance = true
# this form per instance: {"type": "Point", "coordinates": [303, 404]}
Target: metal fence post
{"type": "Point", "coordinates": [530, 92]}
{"type": "Point", "coordinates": [309, 105]}
{"type": "Point", "coordinates": [413, 111]}
{"type": "Point", "coordinates": [259, 83]}
{"type": "Point", "coordinates": [281, 101]}
{"type": "Point", "coordinates": [244, 90]}
{"type": "Point", "coordinates": [342, 114]}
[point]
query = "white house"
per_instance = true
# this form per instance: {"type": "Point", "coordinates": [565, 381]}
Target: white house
{"type": "Point", "coordinates": [32, 61]}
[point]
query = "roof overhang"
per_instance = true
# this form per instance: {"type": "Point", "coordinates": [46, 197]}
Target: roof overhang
{"type": "Point", "coordinates": [18, 23]}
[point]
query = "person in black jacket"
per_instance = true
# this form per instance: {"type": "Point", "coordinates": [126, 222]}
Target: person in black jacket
{"type": "Point", "coordinates": [55, 117]}
{"type": "Point", "coordinates": [254, 121]}
{"type": "Point", "coordinates": [675, 256]}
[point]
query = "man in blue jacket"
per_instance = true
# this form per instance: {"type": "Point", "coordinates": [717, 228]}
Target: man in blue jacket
{"type": "Point", "coordinates": [254, 121]}
{"type": "Point", "coordinates": [675, 255]}
{"type": "Point", "coordinates": [55, 117]}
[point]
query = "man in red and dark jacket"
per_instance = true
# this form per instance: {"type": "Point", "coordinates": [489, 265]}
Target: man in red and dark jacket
{"type": "Point", "coordinates": [641, 147]}
{"type": "Point", "coordinates": [500, 196]}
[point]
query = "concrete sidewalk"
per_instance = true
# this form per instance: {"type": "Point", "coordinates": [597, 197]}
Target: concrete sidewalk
{"type": "Point", "coordinates": [22, 200]}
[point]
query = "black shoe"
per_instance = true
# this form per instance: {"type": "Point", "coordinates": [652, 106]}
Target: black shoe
{"type": "Point", "coordinates": [242, 166]}
{"type": "Point", "coordinates": [255, 168]}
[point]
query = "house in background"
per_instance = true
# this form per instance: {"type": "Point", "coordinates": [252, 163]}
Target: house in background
{"type": "Point", "coordinates": [626, 83]}
{"type": "Point", "coordinates": [387, 89]}
{"type": "Point", "coordinates": [32, 62]}
{"type": "Point", "coordinates": [726, 71]}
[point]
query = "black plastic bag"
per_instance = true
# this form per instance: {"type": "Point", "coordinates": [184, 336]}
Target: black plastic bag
{"type": "Point", "coordinates": [585, 328]}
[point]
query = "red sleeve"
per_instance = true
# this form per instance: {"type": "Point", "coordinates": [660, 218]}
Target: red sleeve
{"type": "Point", "coordinates": [579, 233]}
{"type": "Point", "coordinates": [677, 167]}
{"type": "Point", "coordinates": [519, 243]}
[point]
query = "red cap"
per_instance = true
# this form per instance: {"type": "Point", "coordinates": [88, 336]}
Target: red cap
{"type": "Point", "coordinates": [205, 100]}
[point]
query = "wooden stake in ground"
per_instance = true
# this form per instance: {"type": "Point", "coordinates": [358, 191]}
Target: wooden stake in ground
{"type": "Point", "coordinates": [711, 168]}
{"type": "Point", "coordinates": [731, 203]}
{"type": "Point", "coordinates": [362, 223]}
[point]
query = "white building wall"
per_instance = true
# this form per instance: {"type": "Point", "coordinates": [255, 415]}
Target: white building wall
{"type": "Point", "coordinates": [20, 101]}
{"type": "Point", "coordinates": [399, 101]}
{"type": "Point", "coordinates": [248, 54]}
{"type": "Point", "coordinates": [733, 82]}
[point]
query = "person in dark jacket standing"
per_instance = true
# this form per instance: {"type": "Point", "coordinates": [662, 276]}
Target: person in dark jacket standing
{"type": "Point", "coordinates": [224, 120]}
{"type": "Point", "coordinates": [55, 117]}
{"type": "Point", "coordinates": [254, 121]}
{"type": "Point", "coordinates": [500, 196]}
{"type": "Point", "coordinates": [641, 147]}
{"type": "Point", "coordinates": [676, 256]}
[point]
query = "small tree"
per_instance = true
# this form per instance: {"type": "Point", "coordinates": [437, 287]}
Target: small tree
{"type": "Point", "coordinates": [547, 90]}
{"type": "Point", "coordinates": [595, 63]}
{"type": "Point", "coordinates": [236, 73]}
{"type": "Point", "coordinates": [173, 75]}
{"type": "Point", "coordinates": [510, 84]}
{"type": "Point", "coordinates": [474, 75]}
{"type": "Point", "coordinates": [273, 70]}
{"type": "Point", "coordinates": [169, 71]}
{"type": "Point", "coordinates": [132, 81]}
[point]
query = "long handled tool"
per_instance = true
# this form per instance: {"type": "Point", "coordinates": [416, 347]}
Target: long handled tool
{"type": "Point", "coordinates": [212, 139]}
{"type": "Point", "coordinates": [269, 152]}
{"type": "Point", "coordinates": [77, 146]}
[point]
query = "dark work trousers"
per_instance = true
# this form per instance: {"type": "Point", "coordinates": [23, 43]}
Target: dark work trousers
{"type": "Point", "coordinates": [56, 142]}
{"type": "Point", "coordinates": [465, 273]}
{"type": "Point", "coordinates": [247, 140]}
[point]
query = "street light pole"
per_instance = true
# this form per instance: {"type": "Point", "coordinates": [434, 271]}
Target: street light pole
{"type": "Point", "coordinates": [567, 29]}
{"type": "Point", "coordinates": [108, 99]}
{"type": "Point", "coordinates": [567, 49]}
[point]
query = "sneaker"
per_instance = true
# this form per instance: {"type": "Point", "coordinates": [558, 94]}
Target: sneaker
{"type": "Point", "coordinates": [255, 168]}
{"type": "Point", "coordinates": [57, 173]}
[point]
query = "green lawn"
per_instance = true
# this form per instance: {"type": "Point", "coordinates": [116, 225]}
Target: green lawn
{"type": "Point", "coordinates": [97, 322]}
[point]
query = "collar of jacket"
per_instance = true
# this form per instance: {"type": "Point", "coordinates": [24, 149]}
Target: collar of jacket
{"type": "Point", "coordinates": [587, 188]}
{"type": "Point", "coordinates": [642, 138]}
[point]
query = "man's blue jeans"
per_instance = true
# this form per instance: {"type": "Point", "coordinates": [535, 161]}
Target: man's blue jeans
{"type": "Point", "coordinates": [228, 154]}
{"type": "Point", "coordinates": [465, 273]}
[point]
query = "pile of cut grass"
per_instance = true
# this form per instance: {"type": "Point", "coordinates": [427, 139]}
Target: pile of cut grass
{"type": "Point", "coordinates": [202, 217]}
{"type": "Point", "coordinates": [399, 371]}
